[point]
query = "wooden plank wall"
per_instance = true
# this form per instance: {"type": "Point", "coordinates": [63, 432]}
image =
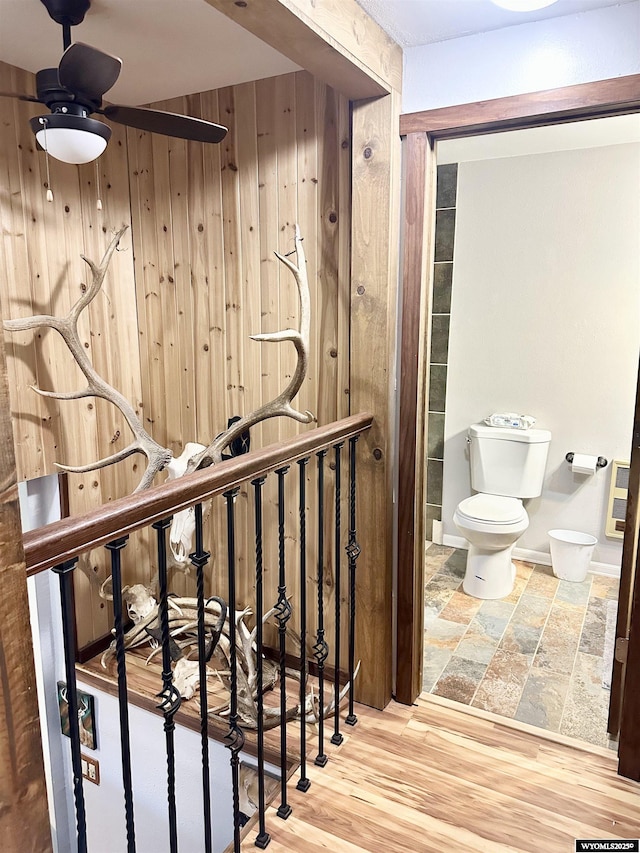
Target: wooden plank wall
{"type": "Point", "coordinates": [41, 272]}
{"type": "Point", "coordinates": [22, 786]}
{"type": "Point", "coordinates": [196, 277]}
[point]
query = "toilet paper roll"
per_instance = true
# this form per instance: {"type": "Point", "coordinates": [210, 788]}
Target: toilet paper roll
{"type": "Point", "coordinates": [584, 464]}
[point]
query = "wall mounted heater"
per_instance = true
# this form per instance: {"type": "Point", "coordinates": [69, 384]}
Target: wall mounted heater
{"type": "Point", "coordinates": [617, 509]}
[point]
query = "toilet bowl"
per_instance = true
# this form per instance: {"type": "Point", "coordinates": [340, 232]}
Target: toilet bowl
{"type": "Point", "coordinates": [491, 524]}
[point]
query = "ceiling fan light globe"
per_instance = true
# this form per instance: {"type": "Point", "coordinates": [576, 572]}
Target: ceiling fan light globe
{"type": "Point", "coordinates": [71, 139]}
{"type": "Point", "coordinates": [523, 5]}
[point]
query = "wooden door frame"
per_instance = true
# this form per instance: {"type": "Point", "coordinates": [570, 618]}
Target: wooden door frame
{"type": "Point", "coordinates": [624, 709]}
{"type": "Point", "coordinates": [420, 131]}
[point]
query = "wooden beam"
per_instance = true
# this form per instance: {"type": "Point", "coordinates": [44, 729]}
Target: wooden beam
{"type": "Point", "coordinates": [24, 817]}
{"type": "Point", "coordinates": [333, 39]}
{"type": "Point", "coordinates": [374, 286]}
{"type": "Point", "coordinates": [419, 161]}
{"type": "Point", "coordinates": [616, 96]}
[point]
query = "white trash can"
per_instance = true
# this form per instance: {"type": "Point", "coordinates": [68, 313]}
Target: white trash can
{"type": "Point", "coordinates": [571, 554]}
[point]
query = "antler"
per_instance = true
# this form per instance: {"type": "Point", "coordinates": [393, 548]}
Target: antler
{"type": "Point", "coordinates": [67, 327]}
{"type": "Point", "coordinates": [159, 457]}
{"type": "Point", "coordinates": [281, 405]}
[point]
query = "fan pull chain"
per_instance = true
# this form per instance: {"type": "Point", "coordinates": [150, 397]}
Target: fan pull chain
{"type": "Point", "coordinates": [43, 121]}
{"type": "Point", "coordinates": [99, 199]}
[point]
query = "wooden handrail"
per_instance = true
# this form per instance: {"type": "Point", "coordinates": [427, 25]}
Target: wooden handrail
{"type": "Point", "coordinates": [63, 540]}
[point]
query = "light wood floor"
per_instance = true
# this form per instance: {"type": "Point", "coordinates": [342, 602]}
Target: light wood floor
{"type": "Point", "coordinates": [434, 778]}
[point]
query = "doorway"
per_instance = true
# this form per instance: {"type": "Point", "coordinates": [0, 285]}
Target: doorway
{"type": "Point", "coordinates": [421, 130]}
{"type": "Point", "coordinates": [535, 306]}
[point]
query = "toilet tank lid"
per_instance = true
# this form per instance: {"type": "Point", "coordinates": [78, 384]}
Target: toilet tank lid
{"type": "Point", "coordinates": [525, 436]}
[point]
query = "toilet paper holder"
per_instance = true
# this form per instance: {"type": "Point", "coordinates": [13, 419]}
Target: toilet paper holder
{"type": "Point", "coordinates": [601, 463]}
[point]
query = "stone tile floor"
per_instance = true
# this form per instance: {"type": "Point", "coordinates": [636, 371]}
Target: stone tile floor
{"type": "Point", "coordinates": [536, 656]}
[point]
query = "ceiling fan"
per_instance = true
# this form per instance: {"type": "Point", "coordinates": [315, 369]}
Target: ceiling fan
{"type": "Point", "coordinates": [73, 92]}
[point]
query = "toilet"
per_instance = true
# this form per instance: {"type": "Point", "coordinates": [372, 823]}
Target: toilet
{"type": "Point", "coordinates": [507, 466]}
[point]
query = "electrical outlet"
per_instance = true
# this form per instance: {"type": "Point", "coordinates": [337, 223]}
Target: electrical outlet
{"type": "Point", "coordinates": [90, 769]}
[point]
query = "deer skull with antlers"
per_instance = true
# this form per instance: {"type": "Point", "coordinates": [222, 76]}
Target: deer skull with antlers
{"type": "Point", "coordinates": [142, 607]}
{"type": "Point", "coordinates": [194, 455]}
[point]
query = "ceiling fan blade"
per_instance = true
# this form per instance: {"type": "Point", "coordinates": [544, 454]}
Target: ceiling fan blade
{"type": "Point", "coordinates": [168, 124]}
{"type": "Point", "coordinates": [87, 71]}
{"type": "Point", "coordinates": [20, 96]}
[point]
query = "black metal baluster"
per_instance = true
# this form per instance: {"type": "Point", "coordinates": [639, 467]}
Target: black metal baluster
{"type": "Point", "coordinates": [235, 737]}
{"type": "Point", "coordinates": [115, 548]}
{"type": "Point", "coordinates": [304, 783]}
{"type": "Point", "coordinates": [199, 559]}
{"type": "Point", "coordinates": [169, 695]}
{"type": "Point", "coordinates": [65, 573]}
{"type": "Point", "coordinates": [320, 649]}
{"type": "Point", "coordinates": [353, 552]}
{"type": "Point", "coordinates": [336, 737]}
{"type": "Point", "coordinates": [263, 838]}
{"type": "Point", "coordinates": [283, 614]}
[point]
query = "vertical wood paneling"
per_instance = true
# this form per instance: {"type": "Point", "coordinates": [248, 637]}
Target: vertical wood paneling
{"type": "Point", "coordinates": [216, 417]}
{"type": "Point", "coordinates": [22, 782]}
{"type": "Point", "coordinates": [376, 193]}
{"type": "Point", "coordinates": [28, 410]}
{"type": "Point", "coordinates": [44, 273]}
{"type": "Point", "coordinates": [196, 277]}
{"type": "Point", "coordinates": [269, 242]}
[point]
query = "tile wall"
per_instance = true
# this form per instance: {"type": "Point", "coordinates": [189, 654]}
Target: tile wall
{"type": "Point", "coordinates": [447, 181]}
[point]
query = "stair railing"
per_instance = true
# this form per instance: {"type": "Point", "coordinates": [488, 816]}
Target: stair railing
{"type": "Point", "coordinates": [58, 547]}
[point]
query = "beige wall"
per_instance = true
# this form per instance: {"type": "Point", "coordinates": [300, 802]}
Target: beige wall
{"type": "Point", "coordinates": [544, 320]}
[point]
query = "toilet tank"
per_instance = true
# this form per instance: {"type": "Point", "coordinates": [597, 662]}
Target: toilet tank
{"type": "Point", "coordinates": [508, 462]}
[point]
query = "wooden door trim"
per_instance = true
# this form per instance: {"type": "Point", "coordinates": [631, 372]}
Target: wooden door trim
{"type": "Point", "coordinates": [625, 696]}
{"type": "Point", "coordinates": [614, 96]}
{"type": "Point", "coordinates": [588, 100]}
{"type": "Point", "coordinates": [416, 261]}
{"type": "Point", "coordinates": [629, 557]}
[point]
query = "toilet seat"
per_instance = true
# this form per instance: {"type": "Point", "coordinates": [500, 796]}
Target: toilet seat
{"type": "Point", "coordinates": [492, 509]}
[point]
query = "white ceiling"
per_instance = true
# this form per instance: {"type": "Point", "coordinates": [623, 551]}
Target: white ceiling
{"type": "Point", "coordinates": [415, 22]}
{"type": "Point", "coordinates": [168, 47]}
{"type": "Point", "coordinates": [176, 47]}
{"type": "Point", "coordinates": [614, 130]}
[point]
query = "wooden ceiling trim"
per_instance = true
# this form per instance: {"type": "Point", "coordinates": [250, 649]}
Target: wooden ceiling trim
{"type": "Point", "coordinates": [333, 39]}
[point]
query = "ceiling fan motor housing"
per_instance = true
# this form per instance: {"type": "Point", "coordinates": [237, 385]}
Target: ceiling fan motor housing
{"type": "Point", "coordinates": [51, 93]}
{"type": "Point", "coordinates": [69, 12]}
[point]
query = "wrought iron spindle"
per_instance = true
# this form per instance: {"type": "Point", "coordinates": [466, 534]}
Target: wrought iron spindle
{"type": "Point", "coordinates": [115, 549]}
{"type": "Point", "coordinates": [199, 559]}
{"type": "Point", "coordinates": [336, 737]}
{"type": "Point", "coordinates": [235, 737]}
{"type": "Point", "coordinates": [283, 614]}
{"type": "Point", "coordinates": [65, 574]}
{"type": "Point", "coordinates": [169, 696]}
{"type": "Point", "coordinates": [353, 552]}
{"type": "Point", "coordinates": [263, 838]}
{"type": "Point", "coordinates": [304, 783]}
{"type": "Point", "coordinates": [320, 649]}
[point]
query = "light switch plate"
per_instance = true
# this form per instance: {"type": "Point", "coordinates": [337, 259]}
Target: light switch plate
{"type": "Point", "coordinates": [90, 769]}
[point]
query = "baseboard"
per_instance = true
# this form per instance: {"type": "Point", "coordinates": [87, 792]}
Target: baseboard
{"type": "Point", "coordinates": [541, 557]}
